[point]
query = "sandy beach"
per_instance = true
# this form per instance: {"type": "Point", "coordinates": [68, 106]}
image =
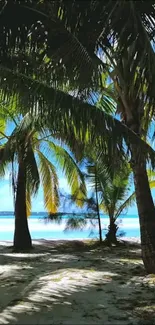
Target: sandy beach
{"type": "Point", "coordinates": [74, 282]}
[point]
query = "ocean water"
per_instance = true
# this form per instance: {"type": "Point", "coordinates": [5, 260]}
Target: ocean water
{"type": "Point", "coordinates": [39, 228]}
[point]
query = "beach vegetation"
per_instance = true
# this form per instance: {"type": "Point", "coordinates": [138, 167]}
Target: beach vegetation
{"type": "Point", "coordinates": [114, 194]}
{"type": "Point", "coordinates": [54, 58]}
{"type": "Point", "coordinates": [28, 153]}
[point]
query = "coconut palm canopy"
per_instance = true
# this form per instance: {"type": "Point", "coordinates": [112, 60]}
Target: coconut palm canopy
{"type": "Point", "coordinates": [38, 150]}
{"type": "Point", "coordinates": [39, 65]}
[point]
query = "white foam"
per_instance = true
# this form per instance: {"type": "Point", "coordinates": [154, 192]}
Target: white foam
{"type": "Point", "coordinates": [7, 225]}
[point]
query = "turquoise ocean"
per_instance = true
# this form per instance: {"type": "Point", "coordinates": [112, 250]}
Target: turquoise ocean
{"type": "Point", "coordinates": [41, 229]}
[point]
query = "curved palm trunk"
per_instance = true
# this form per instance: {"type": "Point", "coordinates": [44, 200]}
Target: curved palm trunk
{"type": "Point", "coordinates": [22, 238]}
{"type": "Point", "coordinates": [146, 211]}
{"type": "Point", "coordinates": [111, 234]}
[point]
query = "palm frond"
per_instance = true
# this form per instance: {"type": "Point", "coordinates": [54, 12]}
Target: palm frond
{"type": "Point", "coordinates": [3, 123]}
{"type": "Point", "coordinates": [151, 174]}
{"type": "Point", "coordinates": [7, 154]}
{"type": "Point", "coordinates": [76, 222]}
{"type": "Point", "coordinates": [32, 174]}
{"type": "Point", "coordinates": [109, 30]}
{"type": "Point", "coordinates": [97, 175]}
{"type": "Point", "coordinates": [103, 207]}
{"type": "Point", "coordinates": [78, 40]}
{"type": "Point", "coordinates": [126, 204]}
{"type": "Point", "coordinates": [152, 184]}
{"type": "Point", "coordinates": [55, 217]}
{"type": "Point", "coordinates": [28, 202]}
{"type": "Point", "coordinates": [30, 42]}
{"type": "Point", "coordinates": [49, 182]}
{"type": "Point", "coordinates": [112, 183]}
{"type": "Point", "coordinates": [72, 172]}
{"type": "Point", "coordinates": [94, 124]}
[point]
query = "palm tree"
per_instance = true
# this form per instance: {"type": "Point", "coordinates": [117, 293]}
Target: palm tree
{"type": "Point", "coordinates": [95, 177]}
{"type": "Point", "coordinates": [93, 39]}
{"type": "Point", "coordinates": [111, 189]}
{"type": "Point", "coordinates": [110, 194]}
{"type": "Point", "coordinates": [26, 152]}
{"type": "Point", "coordinates": [115, 198]}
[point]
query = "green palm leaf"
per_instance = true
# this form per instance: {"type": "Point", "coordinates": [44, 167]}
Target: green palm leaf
{"type": "Point", "coordinates": [131, 199]}
{"type": "Point", "coordinates": [28, 201]}
{"type": "Point", "coordinates": [65, 111]}
{"type": "Point", "coordinates": [49, 182]}
{"type": "Point", "coordinates": [72, 172]}
{"type": "Point", "coordinates": [126, 204]}
{"type": "Point", "coordinates": [32, 174]}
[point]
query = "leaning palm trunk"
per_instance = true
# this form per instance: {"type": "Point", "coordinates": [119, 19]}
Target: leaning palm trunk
{"type": "Point", "coordinates": [22, 238]}
{"type": "Point", "coordinates": [146, 211]}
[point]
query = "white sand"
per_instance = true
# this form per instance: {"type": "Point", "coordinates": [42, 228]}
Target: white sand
{"type": "Point", "coordinates": [64, 282]}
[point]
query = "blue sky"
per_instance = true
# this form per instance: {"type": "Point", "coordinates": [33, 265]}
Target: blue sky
{"type": "Point", "coordinates": [6, 198]}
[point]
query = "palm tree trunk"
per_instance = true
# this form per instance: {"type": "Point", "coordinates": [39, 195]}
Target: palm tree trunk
{"type": "Point", "coordinates": [22, 238]}
{"type": "Point", "coordinates": [146, 211]}
{"type": "Point", "coordinates": [111, 234]}
{"type": "Point", "coordinates": [98, 210]}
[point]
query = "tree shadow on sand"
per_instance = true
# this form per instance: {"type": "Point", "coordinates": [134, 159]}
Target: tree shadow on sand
{"type": "Point", "coordinates": [75, 283]}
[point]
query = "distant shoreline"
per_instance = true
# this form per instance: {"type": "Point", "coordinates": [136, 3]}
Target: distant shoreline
{"type": "Point", "coordinates": [11, 213]}
{"type": "Point", "coordinates": [61, 214]}
{"type": "Point", "coordinates": [131, 240]}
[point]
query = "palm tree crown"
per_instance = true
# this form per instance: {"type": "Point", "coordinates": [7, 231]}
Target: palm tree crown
{"type": "Point", "coordinates": [32, 147]}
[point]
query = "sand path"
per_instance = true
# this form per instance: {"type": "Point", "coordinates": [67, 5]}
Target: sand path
{"type": "Point", "coordinates": [74, 283]}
